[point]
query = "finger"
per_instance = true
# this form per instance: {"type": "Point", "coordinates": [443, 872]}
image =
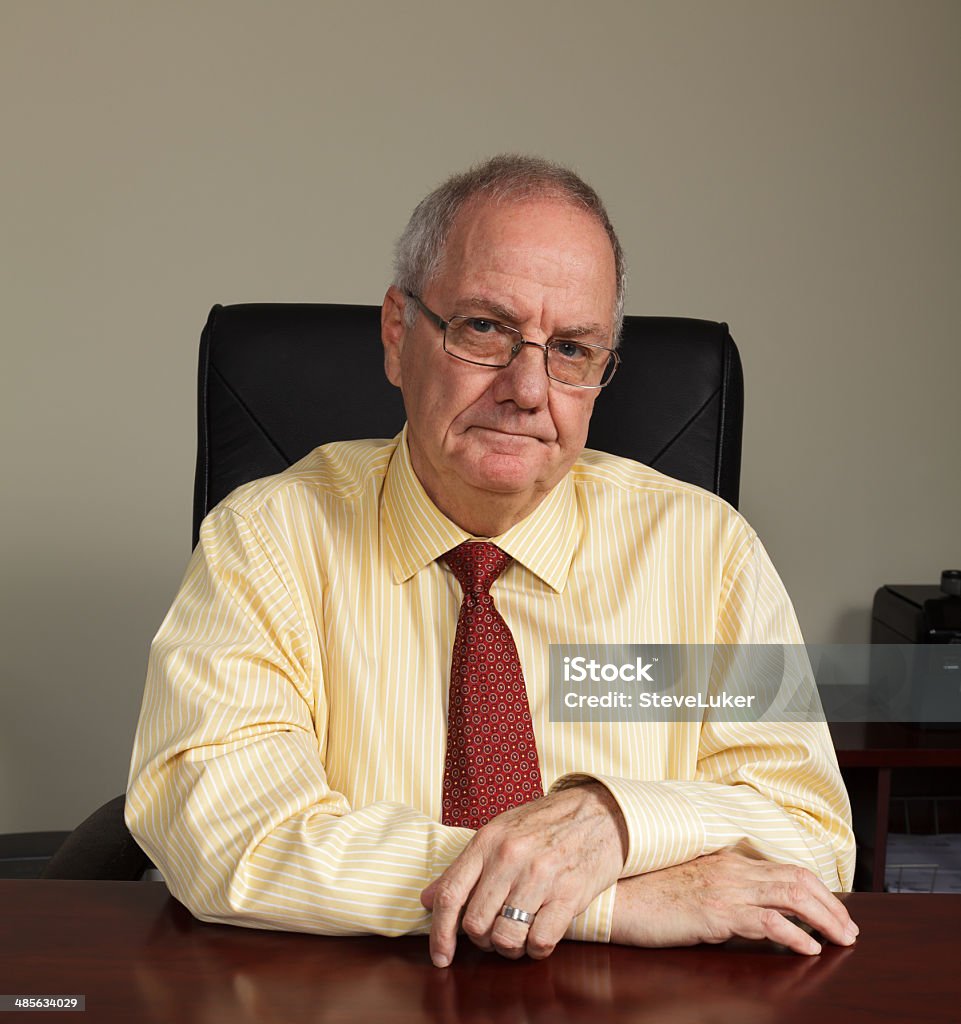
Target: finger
{"type": "Point", "coordinates": [836, 908]}
{"type": "Point", "coordinates": [778, 928]}
{"type": "Point", "coordinates": [527, 892]}
{"type": "Point", "coordinates": [819, 891]}
{"type": "Point", "coordinates": [549, 927]}
{"type": "Point", "coordinates": [450, 893]}
{"type": "Point", "coordinates": [505, 881]}
{"type": "Point", "coordinates": [427, 896]}
{"type": "Point", "coordinates": [500, 876]}
{"type": "Point", "coordinates": [845, 931]}
{"type": "Point", "coordinates": [509, 936]}
{"type": "Point", "coordinates": [803, 899]}
{"type": "Point", "coordinates": [767, 923]}
{"type": "Point", "coordinates": [483, 910]}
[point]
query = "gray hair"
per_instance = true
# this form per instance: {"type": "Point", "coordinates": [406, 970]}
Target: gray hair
{"type": "Point", "coordinates": [420, 250]}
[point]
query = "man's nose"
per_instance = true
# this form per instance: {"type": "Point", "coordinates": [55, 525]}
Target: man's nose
{"type": "Point", "coordinates": [524, 380]}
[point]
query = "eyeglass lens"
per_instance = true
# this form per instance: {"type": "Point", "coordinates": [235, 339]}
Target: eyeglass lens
{"type": "Point", "coordinates": [492, 344]}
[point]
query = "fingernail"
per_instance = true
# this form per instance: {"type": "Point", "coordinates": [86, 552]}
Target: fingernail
{"type": "Point", "coordinates": [853, 932]}
{"type": "Point", "coordinates": [815, 946]}
{"type": "Point", "coordinates": [440, 960]}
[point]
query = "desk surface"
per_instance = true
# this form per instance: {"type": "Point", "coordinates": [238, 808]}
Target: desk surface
{"type": "Point", "coordinates": [136, 954]}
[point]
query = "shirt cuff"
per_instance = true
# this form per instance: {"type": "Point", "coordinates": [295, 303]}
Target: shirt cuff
{"type": "Point", "coordinates": [594, 923]}
{"type": "Point", "coordinates": [663, 826]}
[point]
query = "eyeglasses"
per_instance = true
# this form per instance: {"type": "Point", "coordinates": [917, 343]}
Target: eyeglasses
{"type": "Point", "coordinates": [485, 342]}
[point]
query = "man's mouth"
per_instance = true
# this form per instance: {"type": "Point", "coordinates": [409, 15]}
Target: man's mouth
{"type": "Point", "coordinates": [520, 435]}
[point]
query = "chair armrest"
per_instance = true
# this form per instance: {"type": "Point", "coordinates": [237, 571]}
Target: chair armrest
{"type": "Point", "coordinates": [100, 847]}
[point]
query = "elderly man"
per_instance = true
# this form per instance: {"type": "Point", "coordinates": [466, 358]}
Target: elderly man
{"type": "Point", "coordinates": [346, 727]}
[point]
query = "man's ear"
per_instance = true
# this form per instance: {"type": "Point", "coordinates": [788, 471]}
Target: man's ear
{"type": "Point", "coordinates": [393, 332]}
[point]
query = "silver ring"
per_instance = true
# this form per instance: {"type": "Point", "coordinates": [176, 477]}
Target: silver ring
{"type": "Point", "coordinates": [513, 914]}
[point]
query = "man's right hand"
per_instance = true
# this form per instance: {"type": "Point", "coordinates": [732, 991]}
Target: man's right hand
{"type": "Point", "coordinates": [714, 898]}
{"type": "Point", "coordinates": [551, 857]}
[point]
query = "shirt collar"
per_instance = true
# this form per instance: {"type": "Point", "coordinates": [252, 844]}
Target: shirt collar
{"type": "Point", "coordinates": [416, 532]}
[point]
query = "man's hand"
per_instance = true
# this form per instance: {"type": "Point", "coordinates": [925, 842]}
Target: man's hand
{"type": "Point", "coordinates": [714, 898]}
{"type": "Point", "coordinates": [550, 857]}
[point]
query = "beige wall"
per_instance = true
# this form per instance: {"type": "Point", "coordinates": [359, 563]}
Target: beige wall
{"type": "Point", "coordinates": [791, 167]}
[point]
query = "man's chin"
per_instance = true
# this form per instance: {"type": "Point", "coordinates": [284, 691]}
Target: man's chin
{"type": "Point", "coordinates": [505, 472]}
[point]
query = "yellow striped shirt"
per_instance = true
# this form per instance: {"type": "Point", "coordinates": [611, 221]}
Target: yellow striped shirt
{"type": "Point", "coordinates": [288, 765]}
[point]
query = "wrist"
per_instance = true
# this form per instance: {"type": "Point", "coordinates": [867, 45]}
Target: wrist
{"type": "Point", "coordinates": [613, 814]}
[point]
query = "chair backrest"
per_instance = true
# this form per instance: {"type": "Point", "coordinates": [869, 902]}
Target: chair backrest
{"type": "Point", "coordinates": [276, 380]}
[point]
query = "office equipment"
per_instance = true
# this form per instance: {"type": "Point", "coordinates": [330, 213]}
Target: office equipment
{"type": "Point", "coordinates": [912, 614]}
{"type": "Point", "coordinates": [916, 652]}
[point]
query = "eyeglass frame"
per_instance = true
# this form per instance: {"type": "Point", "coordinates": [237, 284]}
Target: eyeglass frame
{"type": "Point", "coordinates": [443, 324]}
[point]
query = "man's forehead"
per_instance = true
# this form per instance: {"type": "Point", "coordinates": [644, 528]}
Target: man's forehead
{"type": "Point", "coordinates": [496, 251]}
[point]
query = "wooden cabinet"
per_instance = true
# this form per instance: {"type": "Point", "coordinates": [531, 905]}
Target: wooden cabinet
{"type": "Point", "coordinates": [883, 760]}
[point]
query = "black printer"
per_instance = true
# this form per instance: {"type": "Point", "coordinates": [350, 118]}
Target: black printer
{"type": "Point", "coordinates": [910, 614]}
{"type": "Point", "coordinates": [913, 683]}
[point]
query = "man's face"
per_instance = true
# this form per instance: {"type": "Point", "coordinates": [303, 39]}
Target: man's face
{"type": "Point", "coordinates": [505, 436]}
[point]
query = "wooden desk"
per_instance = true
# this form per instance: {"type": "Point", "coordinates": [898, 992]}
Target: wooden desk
{"type": "Point", "coordinates": [867, 754]}
{"type": "Point", "coordinates": [138, 955]}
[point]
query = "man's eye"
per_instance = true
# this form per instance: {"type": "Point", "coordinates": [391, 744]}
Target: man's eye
{"type": "Point", "coordinates": [572, 351]}
{"type": "Point", "coordinates": [478, 326]}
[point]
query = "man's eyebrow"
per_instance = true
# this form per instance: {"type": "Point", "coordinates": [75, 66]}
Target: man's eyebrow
{"type": "Point", "coordinates": [590, 330]}
{"type": "Point", "coordinates": [511, 317]}
{"type": "Point", "coordinates": [485, 305]}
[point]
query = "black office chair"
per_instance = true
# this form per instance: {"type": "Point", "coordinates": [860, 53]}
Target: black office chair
{"type": "Point", "coordinates": [277, 380]}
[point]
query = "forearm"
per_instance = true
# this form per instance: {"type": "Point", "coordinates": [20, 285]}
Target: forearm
{"type": "Point", "coordinates": [784, 801]}
{"type": "Point", "coordinates": [255, 837]}
{"type": "Point", "coordinates": [279, 850]}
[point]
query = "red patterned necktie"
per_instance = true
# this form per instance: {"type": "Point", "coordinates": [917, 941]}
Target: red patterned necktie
{"type": "Point", "coordinates": [491, 762]}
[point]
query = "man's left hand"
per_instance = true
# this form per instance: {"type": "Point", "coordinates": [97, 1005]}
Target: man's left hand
{"type": "Point", "coordinates": [550, 857]}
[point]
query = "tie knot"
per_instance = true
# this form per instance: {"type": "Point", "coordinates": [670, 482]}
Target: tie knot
{"type": "Point", "coordinates": [476, 564]}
